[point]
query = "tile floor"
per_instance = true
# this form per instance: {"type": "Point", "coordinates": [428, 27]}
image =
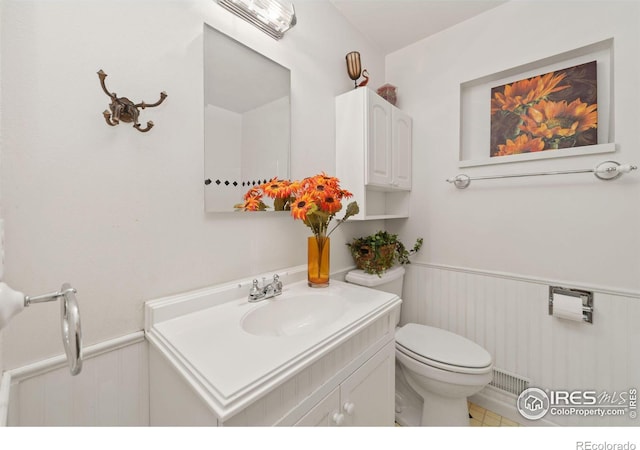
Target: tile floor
{"type": "Point", "coordinates": [481, 417]}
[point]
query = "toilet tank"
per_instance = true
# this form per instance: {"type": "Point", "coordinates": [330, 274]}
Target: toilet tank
{"type": "Point", "coordinates": [389, 281]}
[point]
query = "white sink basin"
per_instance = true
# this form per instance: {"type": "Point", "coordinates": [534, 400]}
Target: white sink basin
{"type": "Point", "coordinates": [290, 316]}
{"type": "Point", "coordinates": [260, 343]}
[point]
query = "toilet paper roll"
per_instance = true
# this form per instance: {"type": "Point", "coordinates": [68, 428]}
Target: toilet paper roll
{"type": "Point", "coordinates": [11, 303]}
{"type": "Point", "coordinates": [567, 307]}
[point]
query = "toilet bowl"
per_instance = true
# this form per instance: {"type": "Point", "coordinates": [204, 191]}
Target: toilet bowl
{"type": "Point", "coordinates": [444, 369]}
{"type": "Point", "coordinates": [436, 370]}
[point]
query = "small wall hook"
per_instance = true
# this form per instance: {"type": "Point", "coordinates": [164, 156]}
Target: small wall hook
{"type": "Point", "coordinates": [124, 110]}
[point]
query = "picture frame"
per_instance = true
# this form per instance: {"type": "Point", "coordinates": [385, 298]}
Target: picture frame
{"type": "Point", "coordinates": [476, 103]}
{"type": "Point", "coordinates": [547, 112]}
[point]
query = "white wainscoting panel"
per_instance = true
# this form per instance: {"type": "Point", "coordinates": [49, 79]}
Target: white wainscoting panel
{"type": "Point", "coordinates": [508, 315]}
{"type": "Point", "coordinates": [111, 390]}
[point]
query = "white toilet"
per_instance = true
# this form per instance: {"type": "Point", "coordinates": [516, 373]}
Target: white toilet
{"type": "Point", "coordinates": [436, 370]}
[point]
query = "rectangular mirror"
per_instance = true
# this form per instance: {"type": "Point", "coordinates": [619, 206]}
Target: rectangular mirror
{"type": "Point", "coordinates": [247, 121]}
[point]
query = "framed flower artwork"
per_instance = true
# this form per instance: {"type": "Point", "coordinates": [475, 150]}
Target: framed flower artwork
{"type": "Point", "coordinates": [547, 112]}
{"type": "Point", "coordinates": [555, 107]}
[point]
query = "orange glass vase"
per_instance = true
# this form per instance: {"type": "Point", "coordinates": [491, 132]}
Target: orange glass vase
{"type": "Point", "coordinates": [318, 261]}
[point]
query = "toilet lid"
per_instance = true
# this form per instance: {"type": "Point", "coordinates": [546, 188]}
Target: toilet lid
{"type": "Point", "coordinates": [442, 346]}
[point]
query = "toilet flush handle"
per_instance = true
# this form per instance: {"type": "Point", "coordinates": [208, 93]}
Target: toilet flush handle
{"type": "Point", "coordinates": [349, 408]}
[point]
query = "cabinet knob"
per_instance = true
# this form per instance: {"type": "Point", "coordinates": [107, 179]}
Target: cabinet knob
{"type": "Point", "coordinates": [338, 418]}
{"type": "Point", "coordinates": [349, 408]}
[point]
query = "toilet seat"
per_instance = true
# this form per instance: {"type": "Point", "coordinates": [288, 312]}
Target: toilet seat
{"type": "Point", "coordinates": [442, 349]}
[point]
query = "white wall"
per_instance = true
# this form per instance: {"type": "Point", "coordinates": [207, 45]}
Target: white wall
{"type": "Point", "coordinates": [1, 214]}
{"type": "Point", "coordinates": [119, 213]}
{"type": "Point", "coordinates": [223, 137]}
{"type": "Point", "coordinates": [265, 141]}
{"type": "Point", "coordinates": [492, 250]}
{"type": "Point", "coordinates": [248, 146]}
{"type": "Point", "coordinates": [571, 227]}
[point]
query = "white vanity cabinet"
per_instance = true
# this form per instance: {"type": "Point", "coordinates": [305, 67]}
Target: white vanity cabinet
{"type": "Point", "coordinates": [365, 398]}
{"type": "Point", "coordinates": [361, 397]}
{"type": "Point", "coordinates": [208, 367]}
{"type": "Point", "coordinates": [373, 153]}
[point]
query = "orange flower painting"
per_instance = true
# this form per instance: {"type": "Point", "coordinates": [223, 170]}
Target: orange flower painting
{"type": "Point", "coordinates": [546, 112]}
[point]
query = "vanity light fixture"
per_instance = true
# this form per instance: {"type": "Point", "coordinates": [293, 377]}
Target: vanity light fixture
{"type": "Point", "coordinates": [274, 17]}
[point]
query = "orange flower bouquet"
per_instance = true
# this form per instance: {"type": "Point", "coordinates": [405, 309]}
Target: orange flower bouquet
{"type": "Point", "coordinates": [281, 191]}
{"type": "Point", "coordinates": [314, 200]}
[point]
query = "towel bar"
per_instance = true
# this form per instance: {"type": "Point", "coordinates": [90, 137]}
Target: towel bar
{"type": "Point", "coordinates": [607, 170]}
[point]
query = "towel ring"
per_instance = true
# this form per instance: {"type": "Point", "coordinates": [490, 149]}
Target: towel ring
{"type": "Point", "coordinates": [70, 323]}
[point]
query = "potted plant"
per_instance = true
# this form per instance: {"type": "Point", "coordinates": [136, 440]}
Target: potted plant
{"type": "Point", "coordinates": [380, 251]}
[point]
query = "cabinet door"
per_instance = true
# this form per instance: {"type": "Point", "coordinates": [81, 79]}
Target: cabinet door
{"type": "Point", "coordinates": [379, 163]}
{"type": "Point", "coordinates": [325, 414]}
{"type": "Point", "coordinates": [368, 395]}
{"type": "Point", "coordinates": [402, 142]}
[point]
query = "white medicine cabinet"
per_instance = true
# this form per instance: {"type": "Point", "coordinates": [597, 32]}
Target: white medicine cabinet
{"type": "Point", "coordinates": [373, 154]}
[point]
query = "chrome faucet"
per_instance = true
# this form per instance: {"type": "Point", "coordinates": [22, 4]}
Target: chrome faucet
{"type": "Point", "coordinates": [266, 291]}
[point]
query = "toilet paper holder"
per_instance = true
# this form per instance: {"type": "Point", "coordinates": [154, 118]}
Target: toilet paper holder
{"type": "Point", "coordinates": [585, 296]}
{"type": "Point", "coordinates": [70, 323]}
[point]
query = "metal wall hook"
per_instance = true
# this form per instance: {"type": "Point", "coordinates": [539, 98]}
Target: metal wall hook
{"type": "Point", "coordinates": [123, 109]}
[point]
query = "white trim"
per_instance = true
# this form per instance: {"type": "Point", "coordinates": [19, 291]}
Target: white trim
{"type": "Point", "coordinates": [547, 154]}
{"type": "Point", "coordinates": [5, 389]}
{"type": "Point", "coordinates": [545, 281]}
{"type": "Point", "coordinates": [47, 365]}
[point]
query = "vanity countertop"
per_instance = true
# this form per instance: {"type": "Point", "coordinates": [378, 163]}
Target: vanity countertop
{"type": "Point", "coordinates": [230, 366]}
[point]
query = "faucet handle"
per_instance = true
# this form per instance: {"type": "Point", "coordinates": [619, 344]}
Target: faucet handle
{"type": "Point", "coordinates": [277, 284]}
{"type": "Point", "coordinates": [255, 290]}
